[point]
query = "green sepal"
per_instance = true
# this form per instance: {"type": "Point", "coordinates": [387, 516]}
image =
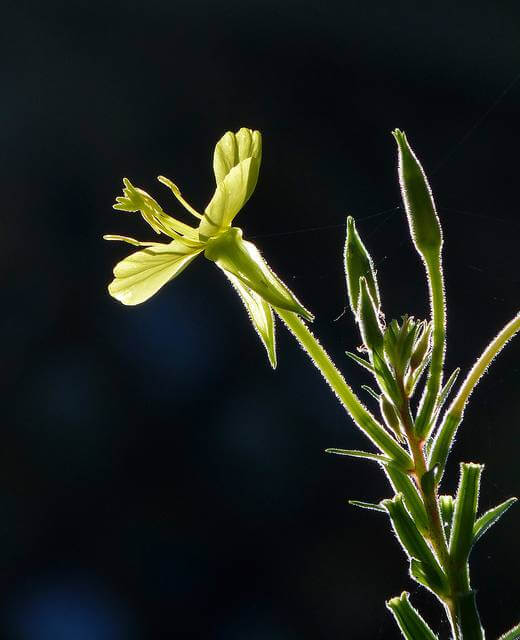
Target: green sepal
{"type": "Point", "coordinates": [412, 379]}
{"type": "Point", "coordinates": [243, 260]}
{"type": "Point", "coordinates": [402, 484]}
{"type": "Point", "coordinates": [489, 518]}
{"type": "Point", "coordinates": [512, 634]}
{"type": "Point", "coordinates": [368, 318]}
{"type": "Point", "coordinates": [385, 378]}
{"type": "Point", "coordinates": [367, 505]}
{"type": "Point", "coordinates": [428, 572]}
{"type": "Point", "coordinates": [446, 507]}
{"type": "Point", "coordinates": [354, 453]}
{"type": "Point", "coordinates": [418, 201]}
{"type": "Point", "coordinates": [358, 264]}
{"type": "Point", "coordinates": [411, 624]}
{"type": "Point", "coordinates": [260, 314]}
{"type": "Point", "coordinates": [466, 502]}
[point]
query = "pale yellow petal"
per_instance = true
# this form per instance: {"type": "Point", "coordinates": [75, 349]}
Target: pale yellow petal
{"type": "Point", "coordinates": [143, 273]}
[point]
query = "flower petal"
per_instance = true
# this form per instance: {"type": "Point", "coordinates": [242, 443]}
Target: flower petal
{"type": "Point", "coordinates": [232, 148]}
{"type": "Point", "coordinates": [260, 314]}
{"type": "Point", "coordinates": [143, 273]}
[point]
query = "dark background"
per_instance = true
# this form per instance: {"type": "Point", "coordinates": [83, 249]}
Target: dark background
{"type": "Point", "coordinates": [157, 479]}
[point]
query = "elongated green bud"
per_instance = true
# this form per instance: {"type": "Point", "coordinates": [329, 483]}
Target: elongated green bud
{"type": "Point", "coordinates": [358, 264]}
{"type": "Point", "coordinates": [421, 347]}
{"type": "Point", "coordinates": [390, 416]}
{"type": "Point", "coordinates": [418, 201]}
{"type": "Point", "coordinates": [368, 319]}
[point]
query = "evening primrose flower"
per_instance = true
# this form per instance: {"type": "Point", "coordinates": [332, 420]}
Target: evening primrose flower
{"type": "Point", "coordinates": [236, 163]}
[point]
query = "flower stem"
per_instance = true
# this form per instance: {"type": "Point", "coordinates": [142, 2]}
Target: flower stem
{"type": "Point", "coordinates": [361, 416]}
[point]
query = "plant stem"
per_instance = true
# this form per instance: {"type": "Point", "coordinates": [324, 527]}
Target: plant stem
{"type": "Point", "coordinates": [438, 310]}
{"type": "Point", "coordinates": [361, 416]}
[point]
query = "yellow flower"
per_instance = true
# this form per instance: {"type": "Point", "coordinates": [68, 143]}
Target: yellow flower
{"type": "Point", "coordinates": [236, 163]}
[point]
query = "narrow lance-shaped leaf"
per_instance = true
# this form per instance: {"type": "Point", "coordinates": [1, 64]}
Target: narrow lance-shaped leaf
{"type": "Point", "coordinates": [358, 264]}
{"type": "Point", "coordinates": [354, 453]}
{"type": "Point", "coordinates": [416, 547]}
{"type": "Point", "coordinates": [401, 483]}
{"type": "Point", "coordinates": [512, 634]}
{"type": "Point", "coordinates": [367, 505]}
{"type": "Point", "coordinates": [260, 314]}
{"type": "Point", "coordinates": [489, 518]}
{"type": "Point", "coordinates": [407, 617]}
{"type": "Point", "coordinates": [466, 502]}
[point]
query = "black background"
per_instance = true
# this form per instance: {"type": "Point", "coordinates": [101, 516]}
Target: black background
{"type": "Point", "coordinates": [157, 479]}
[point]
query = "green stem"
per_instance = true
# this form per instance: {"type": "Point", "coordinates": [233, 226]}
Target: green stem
{"type": "Point", "coordinates": [361, 416]}
{"type": "Point", "coordinates": [438, 311]}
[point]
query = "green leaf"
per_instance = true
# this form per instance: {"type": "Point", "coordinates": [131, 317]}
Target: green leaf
{"type": "Point", "coordinates": [466, 503]}
{"type": "Point", "coordinates": [402, 484]}
{"type": "Point", "coordinates": [236, 164]}
{"type": "Point", "coordinates": [489, 518]}
{"type": "Point", "coordinates": [370, 391]}
{"type": "Point", "coordinates": [260, 314]}
{"type": "Point", "coordinates": [143, 273]}
{"type": "Point", "coordinates": [446, 507]}
{"type": "Point", "coordinates": [421, 346]}
{"type": "Point", "coordinates": [243, 260]}
{"type": "Point", "coordinates": [446, 390]}
{"type": "Point", "coordinates": [358, 264]}
{"type": "Point", "coordinates": [367, 505]}
{"type": "Point", "coordinates": [391, 418]}
{"type": "Point", "coordinates": [360, 361]}
{"type": "Point", "coordinates": [442, 442]}
{"type": "Point", "coordinates": [427, 570]}
{"type": "Point", "coordinates": [512, 634]}
{"type": "Point", "coordinates": [354, 453]}
{"type": "Point", "coordinates": [410, 622]}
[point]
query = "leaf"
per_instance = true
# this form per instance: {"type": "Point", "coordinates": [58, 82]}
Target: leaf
{"type": "Point", "coordinates": [360, 361]}
{"type": "Point", "coordinates": [401, 483]}
{"type": "Point", "coordinates": [446, 390]}
{"type": "Point", "coordinates": [512, 634]}
{"type": "Point", "coordinates": [442, 442]}
{"type": "Point", "coordinates": [469, 619]}
{"type": "Point", "coordinates": [358, 264]}
{"type": "Point", "coordinates": [143, 273]}
{"type": "Point", "coordinates": [466, 503]}
{"type": "Point", "coordinates": [260, 314]}
{"type": "Point", "coordinates": [428, 572]}
{"type": "Point", "coordinates": [376, 457]}
{"type": "Point", "coordinates": [367, 505]}
{"type": "Point", "coordinates": [370, 391]}
{"type": "Point", "coordinates": [410, 622]}
{"type": "Point", "coordinates": [489, 518]}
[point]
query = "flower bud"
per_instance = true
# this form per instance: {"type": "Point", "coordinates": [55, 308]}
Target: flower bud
{"type": "Point", "coordinates": [418, 201]}
{"type": "Point", "coordinates": [368, 319]}
{"type": "Point", "coordinates": [358, 264]}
